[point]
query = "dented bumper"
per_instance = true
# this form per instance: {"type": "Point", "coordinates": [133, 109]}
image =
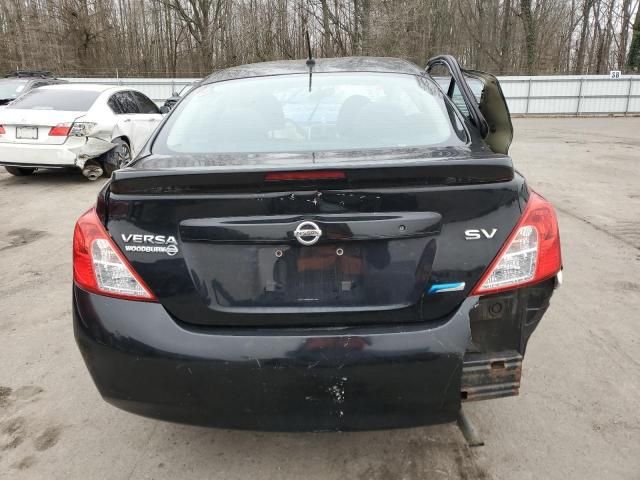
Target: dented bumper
{"type": "Point", "coordinates": [357, 378]}
{"type": "Point", "coordinates": [73, 153]}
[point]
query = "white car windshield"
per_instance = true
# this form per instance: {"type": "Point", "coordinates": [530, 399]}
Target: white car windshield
{"type": "Point", "coordinates": [284, 114]}
{"type": "Point", "coordinates": [56, 99]}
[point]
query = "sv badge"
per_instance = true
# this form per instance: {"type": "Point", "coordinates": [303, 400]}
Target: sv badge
{"type": "Point", "coordinates": [477, 234]}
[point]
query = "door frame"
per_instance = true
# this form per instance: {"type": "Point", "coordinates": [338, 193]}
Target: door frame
{"type": "Point", "coordinates": [477, 118]}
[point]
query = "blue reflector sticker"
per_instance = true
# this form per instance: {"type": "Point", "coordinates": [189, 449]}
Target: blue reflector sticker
{"type": "Point", "coordinates": [446, 287]}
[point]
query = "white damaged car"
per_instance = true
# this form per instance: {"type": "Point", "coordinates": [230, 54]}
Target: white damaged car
{"type": "Point", "coordinates": [96, 128]}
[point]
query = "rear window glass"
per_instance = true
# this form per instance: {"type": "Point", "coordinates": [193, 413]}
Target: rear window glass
{"type": "Point", "coordinates": [475, 85]}
{"type": "Point", "coordinates": [340, 111]}
{"type": "Point", "coordinates": [54, 99]}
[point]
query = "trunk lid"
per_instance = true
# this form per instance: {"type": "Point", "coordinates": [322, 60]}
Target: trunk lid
{"type": "Point", "coordinates": [21, 126]}
{"type": "Point", "coordinates": [218, 244]}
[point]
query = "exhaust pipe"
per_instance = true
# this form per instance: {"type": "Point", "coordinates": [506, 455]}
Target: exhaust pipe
{"type": "Point", "coordinates": [92, 170]}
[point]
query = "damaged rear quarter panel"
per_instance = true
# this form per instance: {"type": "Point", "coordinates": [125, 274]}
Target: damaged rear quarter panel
{"type": "Point", "coordinates": [95, 145]}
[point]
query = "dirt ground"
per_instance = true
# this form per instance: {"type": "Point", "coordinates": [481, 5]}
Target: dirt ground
{"type": "Point", "coordinates": [576, 417]}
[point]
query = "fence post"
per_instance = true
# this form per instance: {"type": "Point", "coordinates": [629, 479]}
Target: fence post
{"type": "Point", "coordinates": [579, 96]}
{"type": "Point", "coordinates": [626, 109]}
{"type": "Point", "coordinates": [528, 97]}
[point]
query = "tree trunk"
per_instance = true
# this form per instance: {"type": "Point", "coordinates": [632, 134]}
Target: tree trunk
{"type": "Point", "coordinates": [624, 33]}
{"type": "Point", "coordinates": [529, 35]}
{"type": "Point", "coordinates": [365, 25]}
{"type": "Point", "coordinates": [505, 33]}
{"type": "Point", "coordinates": [326, 30]}
{"type": "Point", "coordinates": [582, 44]}
{"type": "Point", "coordinates": [633, 60]}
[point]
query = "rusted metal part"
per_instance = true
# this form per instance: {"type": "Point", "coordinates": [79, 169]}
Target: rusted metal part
{"type": "Point", "coordinates": [491, 375]}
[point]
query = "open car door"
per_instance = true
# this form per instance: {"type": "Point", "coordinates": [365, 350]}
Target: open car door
{"type": "Point", "coordinates": [479, 97]}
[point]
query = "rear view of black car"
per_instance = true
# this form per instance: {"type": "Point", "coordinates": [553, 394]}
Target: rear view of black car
{"type": "Point", "coordinates": [342, 245]}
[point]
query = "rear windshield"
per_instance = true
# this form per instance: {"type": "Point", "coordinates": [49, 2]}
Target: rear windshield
{"type": "Point", "coordinates": [54, 99]}
{"type": "Point", "coordinates": [10, 89]}
{"type": "Point", "coordinates": [338, 111]}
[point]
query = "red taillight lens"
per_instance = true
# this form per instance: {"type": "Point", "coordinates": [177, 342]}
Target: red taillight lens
{"type": "Point", "coordinates": [306, 175]}
{"type": "Point", "coordinates": [61, 130]}
{"type": "Point", "coordinates": [100, 267]}
{"type": "Point", "coordinates": [530, 255]}
{"type": "Point", "coordinates": [2, 131]}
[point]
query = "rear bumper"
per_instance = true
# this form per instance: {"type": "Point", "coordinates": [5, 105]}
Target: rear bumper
{"type": "Point", "coordinates": [44, 156]}
{"type": "Point", "coordinates": [360, 378]}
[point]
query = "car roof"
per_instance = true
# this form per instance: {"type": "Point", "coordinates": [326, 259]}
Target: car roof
{"type": "Point", "coordinates": [19, 79]}
{"type": "Point", "coordinates": [88, 87]}
{"type": "Point", "coordinates": [322, 65]}
{"type": "Point", "coordinates": [29, 74]}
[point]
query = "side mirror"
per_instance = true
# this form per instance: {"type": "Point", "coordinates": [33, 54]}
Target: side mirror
{"type": "Point", "coordinates": [164, 109]}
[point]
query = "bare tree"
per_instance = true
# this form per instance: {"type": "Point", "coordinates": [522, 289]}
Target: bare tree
{"type": "Point", "coordinates": [633, 61]}
{"type": "Point", "coordinates": [201, 18]}
{"type": "Point", "coordinates": [528, 23]}
{"type": "Point", "coordinates": [194, 37]}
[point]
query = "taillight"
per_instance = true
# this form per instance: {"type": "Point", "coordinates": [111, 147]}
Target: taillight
{"type": "Point", "coordinates": [2, 131]}
{"type": "Point", "coordinates": [81, 129]}
{"type": "Point", "coordinates": [530, 255]}
{"type": "Point", "coordinates": [100, 267]}
{"type": "Point", "coordinates": [60, 130]}
{"type": "Point", "coordinates": [305, 175]}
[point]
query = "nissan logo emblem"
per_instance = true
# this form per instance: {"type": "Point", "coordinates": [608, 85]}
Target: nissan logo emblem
{"type": "Point", "coordinates": [307, 233]}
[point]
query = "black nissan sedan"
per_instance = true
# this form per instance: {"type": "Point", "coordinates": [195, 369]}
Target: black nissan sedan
{"type": "Point", "coordinates": [336, 244]}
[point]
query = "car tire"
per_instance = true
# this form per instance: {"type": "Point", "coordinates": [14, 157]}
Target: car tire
{"type": "Point", "coordinates": [117, 156]}
{"type": "Point", "coordinates": [20, 171]}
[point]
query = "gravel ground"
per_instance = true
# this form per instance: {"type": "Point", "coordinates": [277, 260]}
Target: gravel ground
{"type": "Point", "coordinates": [576, 417]}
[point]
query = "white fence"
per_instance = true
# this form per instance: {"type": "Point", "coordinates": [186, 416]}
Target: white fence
{"type": "Point", "coordinates": [536, 95]}
{"type": "Point", "coordinates": [572, 95]}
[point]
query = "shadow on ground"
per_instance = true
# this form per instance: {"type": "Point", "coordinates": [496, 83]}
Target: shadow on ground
{"type": "Point", "coordinates": [64, 176]}
{"type": "Point", "coordinates": [437, 452]}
